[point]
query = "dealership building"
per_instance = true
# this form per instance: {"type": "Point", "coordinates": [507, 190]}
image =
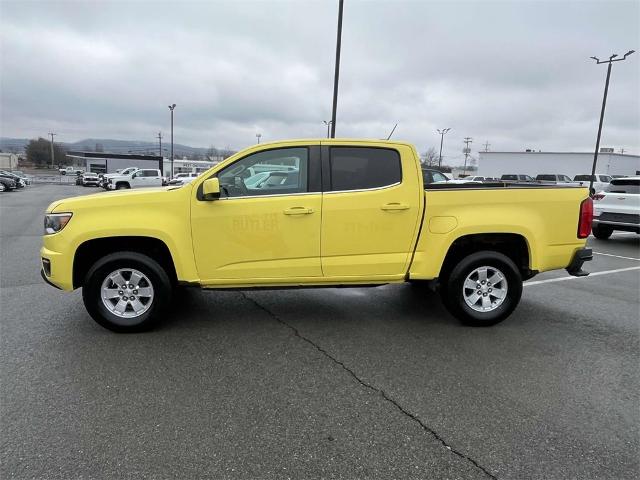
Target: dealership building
{"type": "Point", "coordinates": [495, 164]}
{"type": "Point", "coordinates": [103, 162]}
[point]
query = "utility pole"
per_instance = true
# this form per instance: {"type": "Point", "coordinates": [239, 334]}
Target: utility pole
{"type": "Point", "coordinates": [604, 104]}
{"type": "Point", "coordinates": [171, 107]}
{"type": "Point", "coordinates": [442, 133]}
{"type": "Point", "coordinates": [258, 135]}
{"type": "Point", "coordinates": [486, 146]}
{"type": "Point", "coordinates": [160, 142]}
{"type": "Point", "coordinates": [622, 151]}
{"type": "Point", "coordinates": [328, 124]}
{"type": "Point", "coordinates": [52, 154]}
{"type": "Point", "coordinates": [337, 69]}
{"type": "Point", "coordinates": [467, 150]}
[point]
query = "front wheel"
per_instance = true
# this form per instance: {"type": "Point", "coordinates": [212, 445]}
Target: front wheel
{"type": "Point", "coordinates": [483, 289]}
{"type": "Point", "coordinates": [126, 292]}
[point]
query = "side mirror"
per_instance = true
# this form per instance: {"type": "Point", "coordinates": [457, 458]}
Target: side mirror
{"type": "Point", "coordinates": [211, 189]}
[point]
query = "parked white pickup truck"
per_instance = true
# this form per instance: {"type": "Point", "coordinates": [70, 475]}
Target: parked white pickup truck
{"type": "Point", "coordinates": [70, 171]}
{"type": "Point", "coordinates": [135, 179]}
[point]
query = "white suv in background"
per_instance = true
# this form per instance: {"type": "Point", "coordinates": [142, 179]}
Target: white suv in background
{"type": "Point", "coordinates": [137, 179]}
{"type": "Point", "coordinates": [617, 208]}
{"type": "Point", "coordinates": [600, 181]}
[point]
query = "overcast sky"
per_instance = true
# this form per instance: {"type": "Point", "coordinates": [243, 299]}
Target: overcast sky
{"type": "Point", "coordinates": [515, 74]}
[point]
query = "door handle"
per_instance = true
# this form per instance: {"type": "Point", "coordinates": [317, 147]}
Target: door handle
{"type": "Point", "coordinates": [395, 206]}
{"type": "Point", "coordinates": [297, 211]}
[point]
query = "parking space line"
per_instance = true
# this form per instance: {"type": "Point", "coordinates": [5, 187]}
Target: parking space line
{"type": "Point", "coordinates": [617, 256]}
{"type": "Point", "coordinates": [594, 274]}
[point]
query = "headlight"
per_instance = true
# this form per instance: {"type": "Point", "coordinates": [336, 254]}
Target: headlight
{"type": "Point", "coordinates": [54, 222]}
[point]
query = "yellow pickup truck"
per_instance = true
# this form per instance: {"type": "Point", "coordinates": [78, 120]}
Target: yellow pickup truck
{"type": "Point", "coordinates": [313, 213]}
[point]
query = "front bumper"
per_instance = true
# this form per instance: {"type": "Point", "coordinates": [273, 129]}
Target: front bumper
{"type": "Point", "coordinates": [581, 256]}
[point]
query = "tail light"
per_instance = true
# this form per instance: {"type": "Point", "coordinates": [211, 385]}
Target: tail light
{"type": "Point", "coordinates": [586, 218]}
{"type": "Point", "coordinates": [598, 196]}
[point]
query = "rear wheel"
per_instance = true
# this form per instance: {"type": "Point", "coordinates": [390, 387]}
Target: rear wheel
{"type": "Point", "coordinates": [126, 292]}
{"type": "Point", "coordinates": [602, 232]}
{"type": "Point", "coordinates": [483, 289]}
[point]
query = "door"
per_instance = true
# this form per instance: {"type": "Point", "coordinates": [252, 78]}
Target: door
{"type": "Point", "coordinates": [138, 179]}
{"type": "Point", "coordinates": [268, 231]}
{"type": "Point", "coordinates": [370, 210]}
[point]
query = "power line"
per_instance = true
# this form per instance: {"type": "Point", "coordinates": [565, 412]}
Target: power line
{"type": "Point", "coordinates": [486, 146]}
{"type": "Point", "coordinates": [52, 154]}
{"type": "Point", "coordinates": [467, 150]}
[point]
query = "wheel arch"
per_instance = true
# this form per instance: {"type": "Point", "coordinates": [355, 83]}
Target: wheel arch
{"type": "Point", "coordinates": [513, 245]}
{"type": "Point", "coordinates": [92, 250]}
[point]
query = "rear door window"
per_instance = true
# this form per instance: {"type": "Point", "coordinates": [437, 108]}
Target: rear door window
{"type": "Point", "coordinates": [361, 168]}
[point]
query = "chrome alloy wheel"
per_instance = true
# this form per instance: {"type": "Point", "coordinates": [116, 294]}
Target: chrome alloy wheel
{"type": "Point", "coordinates": [485, 289]}
{"type": "Point", "coordinates": [127, 293]}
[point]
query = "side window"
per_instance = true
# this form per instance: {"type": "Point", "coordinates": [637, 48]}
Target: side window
{"type": "Point", "coordinates": [150, 173]}
{"type": "Point", "coordinates": [358, 168]}
{"type": "Point", "coordinates": [272, 172]}
{"type": "Point", "coordinates": [438, 177]}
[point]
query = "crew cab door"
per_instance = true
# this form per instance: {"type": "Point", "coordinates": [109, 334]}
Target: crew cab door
{"type": "Point", "coordinates": [370, 211]}
{"type": "Point", "coordinates": [269, 230]}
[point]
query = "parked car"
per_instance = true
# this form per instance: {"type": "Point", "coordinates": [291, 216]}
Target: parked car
{"type": "Point", "coordinates": [104, 178]}
{"type": "Point", "coordinates": [28, 179]}
{"type": "Point", "coordinates": [600, 181]}
{"type": "Point", "coordinates": [7, 184]}
{"type": "Point", "coordinates": [557, 179]}
{"type": "Point", "coordinates": [70, 171]}
{"type": "Point", "coordinates": [19, 182]}
{"type": "Point", "coordinates": [430, 175]}
{"type": "Point", "coordinates": [364, 219]}
{"type": "Point", "coordinates": [468, 179]}
{"type": "Point", "coordinates": [139, 178]}
{"type": "Point", "coordinates": [617, 208]}
{"type": "Point", "coordinates": [89, 179]}
{"type": "Point", "coordinates": [516, 177]}
{"type": "Point", "coordinates": [183, 178]}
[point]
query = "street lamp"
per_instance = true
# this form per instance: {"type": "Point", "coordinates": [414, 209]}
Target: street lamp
{"type": "Point", "coordinates": [336, 75]}
{"type": "Point", "coordinates": [604, 103]}
{"type": "Point", "coordinates": [171, 107]}
{"type": "Point", "coordinates": [328, 124]}
{"type": "Point", "coordinates": [258, 135]}
{"type": "Point", "coordinates": [442, 133]}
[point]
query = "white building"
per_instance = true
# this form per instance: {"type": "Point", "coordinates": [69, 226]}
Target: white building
{"type": "Point", "coordinates": [8, 161]}
{"type": "Point", "coordinates": [495, 164]}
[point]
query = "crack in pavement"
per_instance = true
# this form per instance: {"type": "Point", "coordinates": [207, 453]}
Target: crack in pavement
{"type": "Point", "coordinates": [384, 394]}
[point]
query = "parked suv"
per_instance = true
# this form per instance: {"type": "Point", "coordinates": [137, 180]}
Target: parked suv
{"type": "Point", "coordinates": [600, 181]}
{"type": "Point", "coordinates": [617, 208]}
{"type": "Point", "coordinates": [513, 177]}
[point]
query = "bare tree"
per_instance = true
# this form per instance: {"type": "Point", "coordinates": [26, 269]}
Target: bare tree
{"type": "Point", "coordinates": [430, 158]}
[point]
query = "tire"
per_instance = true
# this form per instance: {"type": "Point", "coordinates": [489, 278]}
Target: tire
{"type": "Point", "coordinates": [455, 296]}
{"type": "Point", "coordinates": [152, 304]}
{"type": "Point", "coordinates": [601, 232]}
{"type": "Point", "coordinates": [2, 187]}
{"type": "Point", "coordinates": [122, 186]}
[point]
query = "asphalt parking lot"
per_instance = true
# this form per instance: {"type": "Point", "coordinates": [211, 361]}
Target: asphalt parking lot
{"type": "Point", "coordinates": [327, 383]}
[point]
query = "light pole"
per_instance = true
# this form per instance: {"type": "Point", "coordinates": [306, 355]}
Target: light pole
{"type": "Point", "coordinates": [442, 133]}
{"type": "Point", "coordinates": [258, 135]}
{"type": "Point", "coordinates": [328, 124]}
{"type": "Point", "coordinates": [337, 70]}
{"type": "Point", "coordinates": [604, 104]}
{"type": "Point", "coordinates": [171, 107]}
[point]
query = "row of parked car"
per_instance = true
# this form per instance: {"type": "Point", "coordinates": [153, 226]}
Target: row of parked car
{"type": "Point", "coordinates": [13, 180]}
{"type": "Point", "coordinates": [131, 177]}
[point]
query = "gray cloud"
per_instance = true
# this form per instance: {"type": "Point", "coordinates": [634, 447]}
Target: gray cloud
{"type": "Point", "coordinates": [516, 74]}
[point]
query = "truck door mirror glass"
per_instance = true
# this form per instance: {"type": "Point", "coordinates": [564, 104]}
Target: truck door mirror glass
{"type": "Point", "coordinates": [211, 189]}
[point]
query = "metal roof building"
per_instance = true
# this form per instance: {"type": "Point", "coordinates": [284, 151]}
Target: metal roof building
{"type": "Point", "coordinates": [495, 164]}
